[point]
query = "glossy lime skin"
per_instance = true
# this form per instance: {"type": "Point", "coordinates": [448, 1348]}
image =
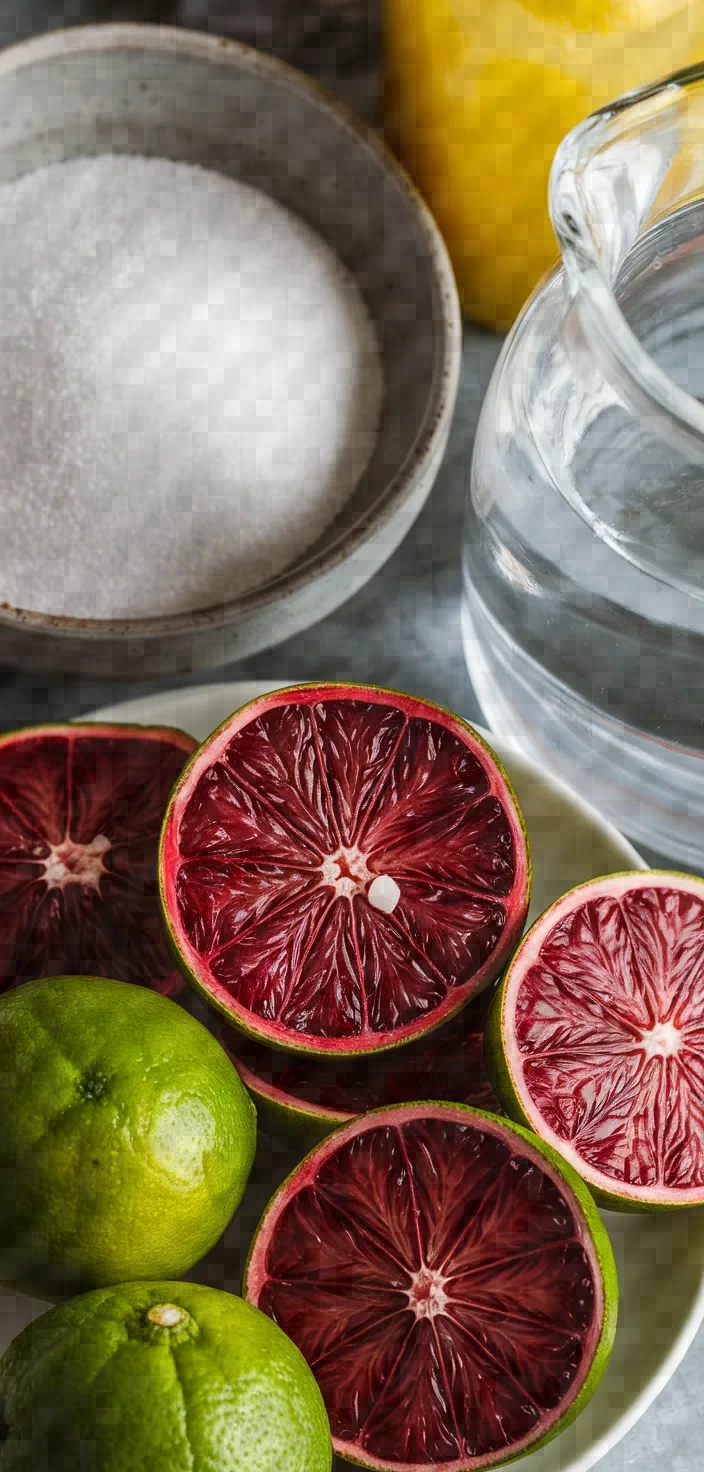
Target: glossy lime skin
{"type": "Point", "coordinates": [96, 1385]}
{"type": "Point", "coordinates": [127, 1137]}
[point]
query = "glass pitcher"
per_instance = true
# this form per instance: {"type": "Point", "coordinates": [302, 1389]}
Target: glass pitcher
{"type": "Point", "coordinates": [584, 546]}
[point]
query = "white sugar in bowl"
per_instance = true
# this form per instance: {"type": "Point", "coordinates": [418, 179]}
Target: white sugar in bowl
{"type": "Point", "coordinates": [147, 93]}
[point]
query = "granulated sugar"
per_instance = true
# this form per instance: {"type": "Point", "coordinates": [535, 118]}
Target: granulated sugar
{"type": "Point", "coordinates": [190, 388]}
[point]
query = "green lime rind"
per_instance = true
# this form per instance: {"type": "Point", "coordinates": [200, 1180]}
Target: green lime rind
{"type": "Point", "coordinates": [609, 1279]}
{"type": "Point", "coordinates": [296, 1119]}
{"type": "Point", "coordinates": [123, 728]}
{"type": "Point", "coordinates": [500, 1069]}
{"type": "Point", "coordinates": [127, 1141]}
{"type": "Point", "coordinates": [102, 1384]}
{"type": "Point", "coordinates": [250, 1030]}
{"type": "Point", "coordinates": [595, 1226]}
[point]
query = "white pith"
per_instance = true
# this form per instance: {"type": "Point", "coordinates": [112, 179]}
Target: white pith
{"type": "Point", "coordinates": [346, 872]}
{"type": "Point", "coordinates": [76, 863]}
{"type": "Point", "coordinates": [426, 1296]}
{"type": "Point", "coordinates": [660, 1042]}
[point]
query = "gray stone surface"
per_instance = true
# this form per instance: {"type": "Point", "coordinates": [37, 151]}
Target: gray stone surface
{"type": "Point", "coordinates": [671, 1434]}
{"type": "Point", "coordinates": [403, 630]}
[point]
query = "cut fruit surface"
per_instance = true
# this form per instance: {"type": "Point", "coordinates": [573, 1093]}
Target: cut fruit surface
{"type": "Point", "coordinates": [319, 1092]}
{"type": "Point", "coordinates": [451, 1286]}
{"type": "Point", "coordinates": [342, 868]}
{"type": "Point", "coordinates": [598, 1036]}
{"type": "Point", "coordinates": [80, 813]}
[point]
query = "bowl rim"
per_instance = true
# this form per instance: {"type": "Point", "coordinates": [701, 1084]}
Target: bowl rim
{"type": "Point", "coordinates": [442, 388]}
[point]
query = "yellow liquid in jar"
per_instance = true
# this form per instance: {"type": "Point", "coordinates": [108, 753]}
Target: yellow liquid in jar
{"type": "Point", "coordinates": [479, 93]}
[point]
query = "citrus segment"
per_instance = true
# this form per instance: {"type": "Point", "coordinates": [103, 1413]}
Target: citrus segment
{"type": "Point", "coordinates": [80, 813]}
{"type": "Point", "coordinates": [277, 840]}
{"type": "Point", "coordinates": [600, 1030]}
{"type": "Point", "coordinates": [451, 1289]}
{"type": "Point", "coordinates": [322, 1092]}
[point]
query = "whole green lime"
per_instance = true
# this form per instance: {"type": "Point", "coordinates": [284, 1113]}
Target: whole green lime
{"type": "Point", "coordinates": [159, 1377]}
{"type": "Point", "coordinates": [126, 1137]}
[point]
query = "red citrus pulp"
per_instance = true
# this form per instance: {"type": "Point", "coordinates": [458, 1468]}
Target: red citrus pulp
{"type": "Point", "coordinates": [598, 1036]}
{"type": "Point", "coordinates": [342, 868]}
{"type": "Point", "coordinates": [451, 1286]}
{"type": "Point", "coordinates": [80, 813]}
{"type": "Point", "coordinates": [320, 1093]}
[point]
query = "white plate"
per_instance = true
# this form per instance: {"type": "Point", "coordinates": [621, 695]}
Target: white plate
{"type": "Point", "coordinates": [660, 1258]}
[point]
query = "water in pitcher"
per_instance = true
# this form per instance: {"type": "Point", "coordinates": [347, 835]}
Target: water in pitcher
{"type": "Point", "coordinates": [584, 546]}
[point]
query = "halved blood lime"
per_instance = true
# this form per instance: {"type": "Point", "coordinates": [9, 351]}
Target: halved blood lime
{"type": "Point", "coordinates": [320, 1093]}
{"type": "Point", "coordinates": [598, 1036]}
{"type": "Point", "coordinates": [342, 868]}
{"type": "Point", "coordinates": [449, 1282]}
{"type": "Point", "coordinates": [80, 811]}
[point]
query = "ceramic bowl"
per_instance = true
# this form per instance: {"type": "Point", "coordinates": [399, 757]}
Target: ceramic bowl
{"type": "Point", "coordinates": [203, 100]}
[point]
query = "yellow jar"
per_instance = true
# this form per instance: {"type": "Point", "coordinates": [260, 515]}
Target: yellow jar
{"type": "Point", "coordinates": [479, 94]}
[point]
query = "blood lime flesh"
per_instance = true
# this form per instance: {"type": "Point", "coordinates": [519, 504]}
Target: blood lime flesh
{"type": "Point", "coordinates": [80, 813]}
{"type": "Point", "coordinates": [598, 1036]}
{"type": "Point", "coordinates": [342, 868]}
{"type": "Point", "coordinates": [449, 1065]}
{"type": "Point", "coordinates": [451, 1287]}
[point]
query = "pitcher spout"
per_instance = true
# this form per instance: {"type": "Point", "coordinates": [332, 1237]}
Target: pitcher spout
{"type": "Point", "coordinates": [618, 178]}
